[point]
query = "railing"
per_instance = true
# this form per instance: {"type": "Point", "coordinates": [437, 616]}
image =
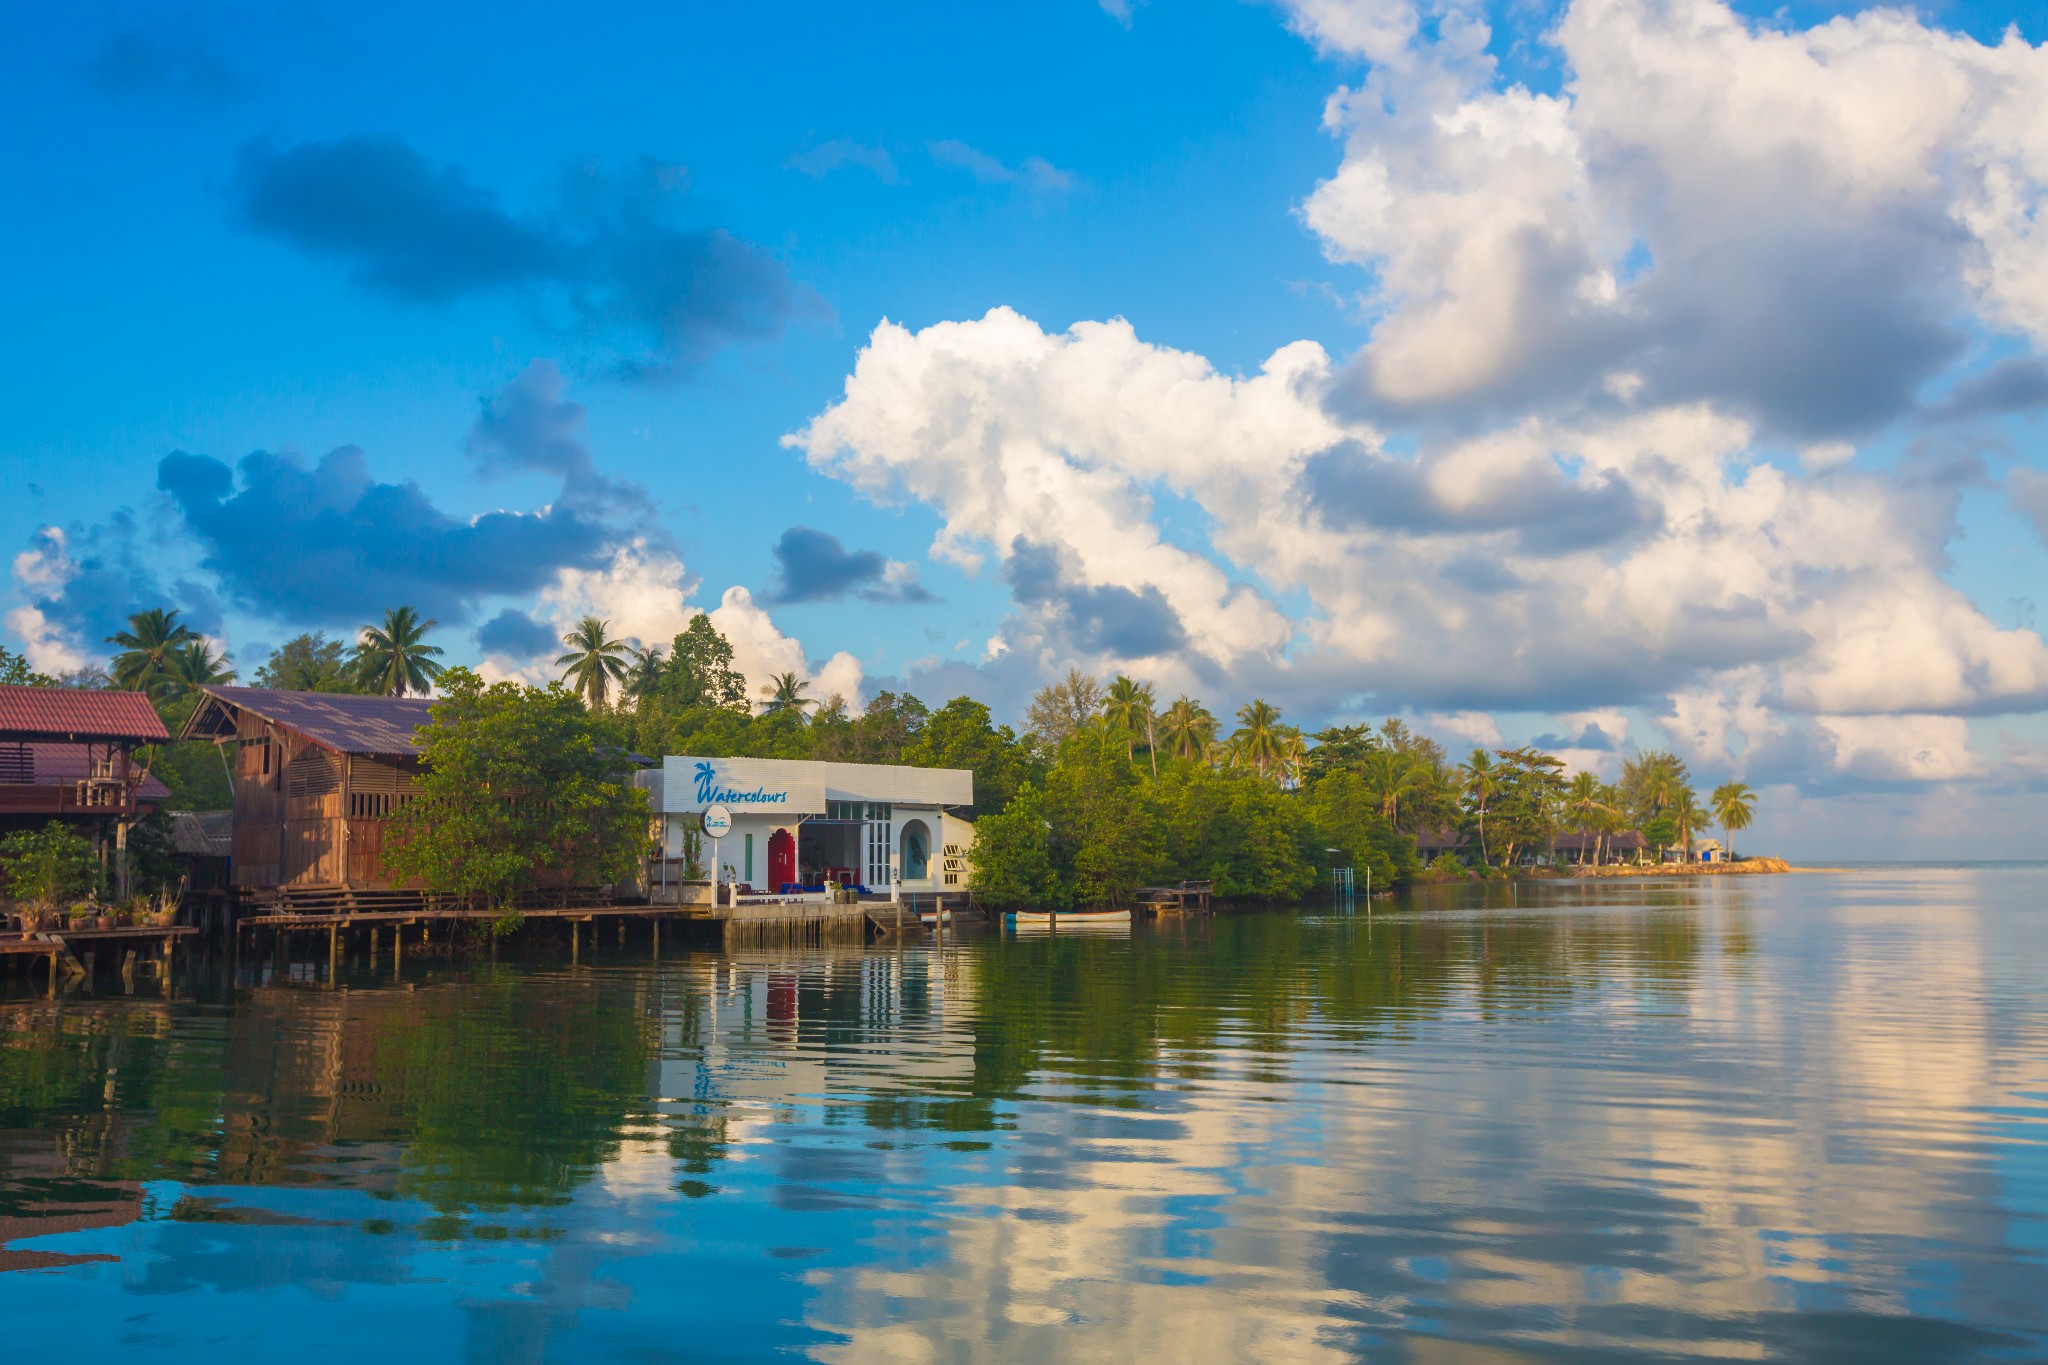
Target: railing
{"type": "Point", "coordinates": [68, 798]}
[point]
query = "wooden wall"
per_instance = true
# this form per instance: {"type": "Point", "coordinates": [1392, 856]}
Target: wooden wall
{"type": "Point", "coordinates": [308, 817]}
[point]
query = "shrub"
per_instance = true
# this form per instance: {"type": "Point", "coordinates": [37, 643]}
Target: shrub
{"type": "Point", "coordinates": [47, 865]}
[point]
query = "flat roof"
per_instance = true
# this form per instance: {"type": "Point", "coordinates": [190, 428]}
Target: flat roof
{"type": "Point", "coordinates": [794, 786]}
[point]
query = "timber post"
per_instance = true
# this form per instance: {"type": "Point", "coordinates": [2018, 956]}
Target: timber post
{"type": "Point", "coordinates": [333, 953]}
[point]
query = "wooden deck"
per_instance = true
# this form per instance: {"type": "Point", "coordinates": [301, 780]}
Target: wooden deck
{"type": "Point", "coordinates": [768, 922]}
{"type": "Point", "coordinates": [61, 940]}
{"type": "Point", "coordinates": [1183, 899]}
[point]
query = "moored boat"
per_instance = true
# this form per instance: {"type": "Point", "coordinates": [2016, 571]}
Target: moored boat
{"type": "Point", "coordinates": [1047, 919]}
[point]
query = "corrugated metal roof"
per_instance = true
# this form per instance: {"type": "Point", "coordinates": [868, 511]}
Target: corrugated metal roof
{"type": "Point", "coordinates": [346, 722]}
{"type": "Point", "coordinates": [77, 713]}
{"type": "Point", "coordinates": [204, 833]}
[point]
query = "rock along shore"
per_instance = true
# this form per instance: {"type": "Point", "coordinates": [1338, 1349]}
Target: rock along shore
{"type": "Point", "coordinates": [1740, 867]}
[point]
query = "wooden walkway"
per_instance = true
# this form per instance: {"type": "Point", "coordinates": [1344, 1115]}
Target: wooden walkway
{"type": "Point", "coordinates": [771, 923]}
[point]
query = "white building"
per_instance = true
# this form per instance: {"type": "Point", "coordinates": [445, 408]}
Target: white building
{"type": "Point", "coordinates": [796, 823]}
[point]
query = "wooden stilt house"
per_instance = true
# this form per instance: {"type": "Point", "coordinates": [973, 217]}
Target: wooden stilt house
{"type": "Point", "coordinates": [68, 754]}
{"type": "Point", "coordinates": [317, 776]}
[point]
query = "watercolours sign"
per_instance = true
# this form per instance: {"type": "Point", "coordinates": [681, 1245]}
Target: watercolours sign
{"type": "Point", "coordinates": [744, 786]}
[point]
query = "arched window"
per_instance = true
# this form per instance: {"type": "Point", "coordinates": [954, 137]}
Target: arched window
{"type": "Point", "coordinates": [916, 862]}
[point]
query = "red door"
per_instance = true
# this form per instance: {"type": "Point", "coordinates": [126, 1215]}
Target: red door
{"type": "Point", "coordinates": [781, 859]}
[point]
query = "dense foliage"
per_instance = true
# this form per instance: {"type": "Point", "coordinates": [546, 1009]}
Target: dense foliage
{"type": "Point", "coordinates": [48, 865]}
{"type": "Point", "coordinates": [521, 785]}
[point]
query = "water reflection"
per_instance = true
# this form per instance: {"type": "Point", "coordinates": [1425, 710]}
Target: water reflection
{"type": "Point", "coordinates": [1788, 1117]}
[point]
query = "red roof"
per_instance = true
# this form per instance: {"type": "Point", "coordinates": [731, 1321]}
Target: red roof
{"type": "Point", "coordinates": [78, 713]}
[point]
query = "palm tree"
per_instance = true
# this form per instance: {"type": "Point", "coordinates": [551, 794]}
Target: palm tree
{"type": "Point", "coordinates": [193, 665]}
{"type": "Point", "coordinates": [1294, 754]}
{"type": "Point", "coordinates": [1734, 806]}
{"type": "Point", "coordinates": [1388, 773]}
{"type": "Point", "coordinates": [1689, 815]}
{"type": "Point", "coordinates": [395, 659]}
{"type": "Point", "coordinates": [1259, 741]}
{"type": "Point", "coordinates": [1128, 707]}
{"type": "Point", "coordinates": [594, 661]}
{"type": "Point", "coordinates": [1188, 727]}
{"type": "Point", "coordinates": [785, 694]}
{"type": "Point", "coordinates": [146, 648]}
{"type": "Point", "coordinates": [645, 675]}
{"type": "Point", "coordinates": [1481, 782]}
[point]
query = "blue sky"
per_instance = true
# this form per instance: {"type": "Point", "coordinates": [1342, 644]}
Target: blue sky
{"type": "Point", "coordinates": [654, 244]}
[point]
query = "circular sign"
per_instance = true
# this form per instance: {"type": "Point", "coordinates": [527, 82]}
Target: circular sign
{"type": "Point", "coordinates": [717, 821]}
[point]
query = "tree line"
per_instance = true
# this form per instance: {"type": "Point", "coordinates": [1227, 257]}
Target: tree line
{"type": "Point", "coordinates": [1103, 791]}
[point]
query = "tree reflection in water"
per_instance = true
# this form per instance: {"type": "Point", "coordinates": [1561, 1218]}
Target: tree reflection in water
{"type": "Point", "coordinates": [1570, 1117]}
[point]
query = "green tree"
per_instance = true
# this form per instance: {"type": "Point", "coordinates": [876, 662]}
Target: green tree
{"type": "Point", "coordinates": [395, 659]}
{"type": "Point", "coordinates": [1339, 747]}
{"type": "Point", "coordinates": [1260, 740]}
{"type": "Point", "coordinates": [1188, 729]}
{"type": "Point", "coordinates": [1530, 801]}
{"type": "Point", "coordinates": [146, 648]}
{"type": "Point", "coordinates": [1011, 855]}
{"type": "Point", "coordinates": [1347, 818]}
{"type": "Point", "coordinates": [1389, 775]}
{"type": "Point", "coordinates": [1059, 709]}
{"type": "Point", "coordinates": [962, 734]}
{"type": "Point", "coordinates": [643, 677]}
{"type": "Point", "coordinates": [1688, 815]}
{"type": "Point", "coordinates": [191, 666]}
{"type": "Point", "coordinates": [1237, 830]}
{"type": "Point", "coordinates": [1106, 825]}
{"type": "Point", "coordinates": [595, 660]}
{"type": "Point", "coordinates": [1734, 806]}
{"type": "Point", "coordinates": [1480, 784]}
{"type": "Point", "coordinates": [783, 695]}
{"type": "Point", "coordinates": [47, 866]}
{"type": "Point", "coordinates": [15, 672]}
{"type": "Point", "coordinates": [1128, 707]}
{"type": "Point", "coordinates": [1651, 781]}
{"type": "Point", "coordinates": [518, 784]}
{"type": "Point", "coordinates": [700, 670]}
{"type": "Point", "coordinates": [307, 663]}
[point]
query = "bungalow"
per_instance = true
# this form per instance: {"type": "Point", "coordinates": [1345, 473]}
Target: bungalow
{"type": "Point", "coordinates": [1431, 844]}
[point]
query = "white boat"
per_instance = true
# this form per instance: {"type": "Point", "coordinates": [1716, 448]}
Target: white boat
{"type": "Point", "coordinates": [931, 917]}
{"type": "Point", "coordinates": [1068, 919]}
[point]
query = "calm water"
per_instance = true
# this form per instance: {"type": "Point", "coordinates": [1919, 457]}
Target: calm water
{"type": "Point", "coordinates": [1796, 1118]}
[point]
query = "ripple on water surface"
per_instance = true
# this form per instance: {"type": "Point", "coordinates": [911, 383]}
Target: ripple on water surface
{"type": "Point", "coordinates": [1789, 1118]}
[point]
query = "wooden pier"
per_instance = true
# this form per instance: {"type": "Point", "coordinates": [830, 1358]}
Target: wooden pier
{"type": "Point", "coordinates": [75, 953]}
{"type": "Point", "coordinates": [1186, 898]}
{"type": "Point", "coordinates": [770, 923]}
